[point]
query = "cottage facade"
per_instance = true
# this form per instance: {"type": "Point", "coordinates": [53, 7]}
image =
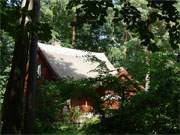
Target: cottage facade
{"type": "Point", "coordinates": [58, 62]}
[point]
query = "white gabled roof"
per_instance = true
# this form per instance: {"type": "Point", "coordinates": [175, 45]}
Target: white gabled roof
{"type": "Point", "coordinates": [73, 63]}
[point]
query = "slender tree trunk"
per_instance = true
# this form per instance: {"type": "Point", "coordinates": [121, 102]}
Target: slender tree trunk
{"type": "Point", "coordinates": [31, 84]}
{"type": "Point", "coordinates": [74, 30]}
{"type": "Point", "coordinates": [126, 35]}
{"type": "Point", "coordinates": [13, 99]}
{"type": "Point", "coordinates": [147, 77]}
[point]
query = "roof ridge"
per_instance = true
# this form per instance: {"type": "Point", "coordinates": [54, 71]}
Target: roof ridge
{"type": "Point", "coordinates": [73, 49]}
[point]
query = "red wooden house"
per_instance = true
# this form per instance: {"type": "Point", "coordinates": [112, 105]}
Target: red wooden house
{"type": "Point", "coordinates": [56, 62]}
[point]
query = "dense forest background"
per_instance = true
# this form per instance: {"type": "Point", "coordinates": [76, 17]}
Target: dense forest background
{"type": "Point", "coordinates": [142, 36]}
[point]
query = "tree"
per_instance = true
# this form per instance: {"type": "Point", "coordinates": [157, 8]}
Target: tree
{"type": "Point", "coordinates": [54, 13]}
{"type": "Point", "coordinates": [14, 95]}
{"type": "Point", "coordinates": [90, 16]}
{"type": "Point", "coordinates": [29, 118]}
{"type": "Point", "coordinates": [135, 28]}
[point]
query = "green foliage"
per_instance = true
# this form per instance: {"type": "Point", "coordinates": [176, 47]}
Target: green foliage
{"type": "Point", "coordinates": [48, 106]}
{"type": "Point", "coordinates": [52, 97]}
{"type": "Point", "coordinates": [55, 15]}
{"type": "Point", "coordinates": [155, 111]}
{"type": "Point", "coordinates": [91, 23]}
{"type": "Point", "coordinates": [3, 82]}
{"type": "Point", "coordinates": [6, 50]}
{"type": "Point", "coordinates": [91, 12]}
{"type": "Point", "coordinates": [10, 14]}
{"type": "Point", "coordinates": [159, 10]}
{"type": "Point", "coordinates": [74, 113]}
{"type": "Point", "coordinates": [92, 121]}
{"type": "Point", "coordinates": [132, 56]}
{"type": "Point", "coordinates": [102, 25]}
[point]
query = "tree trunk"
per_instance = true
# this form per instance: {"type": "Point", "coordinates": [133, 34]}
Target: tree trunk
{"type": "Point", "coordinates": [13, 106]}
{"type": "Point", "coordinates": [147, 77]}
{"type": "Point", "coordinates": [13, 99]}
{"type": "Point", "coordinates": [31, 82]}
{"type": "Point", "coordinates": [74, 27]}
{"type": "Point", "coordinates": [126, 35]}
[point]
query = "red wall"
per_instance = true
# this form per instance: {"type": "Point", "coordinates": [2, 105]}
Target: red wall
{"type": "Point", "coordinates": [85, 104]}
{"type": "Point", "coordinates": [46, 71]}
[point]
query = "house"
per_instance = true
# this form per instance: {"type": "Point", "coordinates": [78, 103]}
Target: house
{"type": "Point", "coordinates": [73, 63]}
{"type": "Point", "coordinates": [56, 62]}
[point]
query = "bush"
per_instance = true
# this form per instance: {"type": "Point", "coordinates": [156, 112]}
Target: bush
{"type": "Point", "coordinates": [155, 111]}
{"type": "Point", "coordinates": [52, 97]}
